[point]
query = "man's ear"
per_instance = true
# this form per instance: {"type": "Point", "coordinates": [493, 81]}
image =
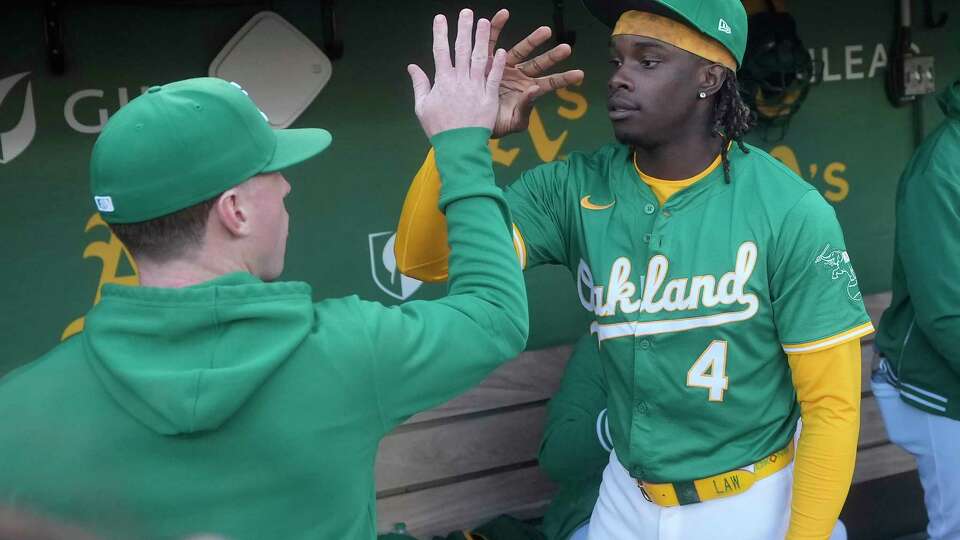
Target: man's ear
{"type": "Point", "coordinates": [230, 212]}
{"type": "Point", "coordinates": [712, 77]}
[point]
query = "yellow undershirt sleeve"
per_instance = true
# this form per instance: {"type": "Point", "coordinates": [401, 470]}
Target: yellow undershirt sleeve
{"type": "Point", "coordinates": [421, 247]}
{"type": "Point", "coordinates": [828, 389]}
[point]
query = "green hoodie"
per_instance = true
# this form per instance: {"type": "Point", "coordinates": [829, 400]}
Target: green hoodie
{"type": "Point", "coordinates": [920, 331]}
{"type": "Point", "coordinates": [244, 408]}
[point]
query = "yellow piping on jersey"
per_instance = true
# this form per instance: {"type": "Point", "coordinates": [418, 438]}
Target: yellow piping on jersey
{"type": "Point", "coordinates": [520, 247]}
{"type": "Point", "coordinates": [831, 341]}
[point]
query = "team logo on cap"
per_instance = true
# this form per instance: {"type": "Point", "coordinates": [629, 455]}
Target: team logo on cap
{"type": "Point", "coordinates": [104, 204]}
{"type": "Point", "coordinates": [383, 265]}
{"type": "Point", "coordinates": [724, 27]}
{"type": "Point", "coordinates": [15, 141]}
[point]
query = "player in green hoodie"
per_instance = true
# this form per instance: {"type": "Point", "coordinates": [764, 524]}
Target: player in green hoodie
{"type": "Point", "coordinates": [214, 399]}
{"type": "Point", "coordinates": [917, 383]}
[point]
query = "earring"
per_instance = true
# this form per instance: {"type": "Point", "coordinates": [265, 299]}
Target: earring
{"type": "Point", "coordinates": [702, 95]}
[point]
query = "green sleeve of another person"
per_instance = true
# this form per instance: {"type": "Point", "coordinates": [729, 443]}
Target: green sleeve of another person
{"type": "Point", "coordinates": [426, 352]}
{"type": "Point", "coordinates": [539, 201]}
{"type": "Point", "coordinates": [576, 442]}
{"type": "Point", "coordinates": [929, 245]}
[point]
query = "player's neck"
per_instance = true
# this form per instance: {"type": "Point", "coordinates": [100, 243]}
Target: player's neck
{"type": "Point", "coordinates": [187, 271]}
{"type": "Point", "coordinates": [679, 158]}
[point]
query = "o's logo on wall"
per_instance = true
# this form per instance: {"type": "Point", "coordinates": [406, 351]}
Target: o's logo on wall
{"type": "Point", "coordinates": [111, 254]}
{"type": "Point", "coordinates": [839, 186]}
{"type": "Point", "coordinates": [16, 140]}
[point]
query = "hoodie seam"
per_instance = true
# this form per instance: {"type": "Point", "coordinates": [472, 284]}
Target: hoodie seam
{"type": "Point", "coordinates": [211, 362]}
{"type": "Point", "coordinates": [376, 375]}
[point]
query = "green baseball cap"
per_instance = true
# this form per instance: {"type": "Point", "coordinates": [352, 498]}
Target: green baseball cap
{"type": "Point", "coordinates": [185, 142]}
{"type": "Point", "coordinates": [723, 20]}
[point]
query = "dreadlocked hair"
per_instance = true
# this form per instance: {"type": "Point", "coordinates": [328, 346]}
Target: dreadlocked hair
{"type": "Point", "coordinates": [732, 118]}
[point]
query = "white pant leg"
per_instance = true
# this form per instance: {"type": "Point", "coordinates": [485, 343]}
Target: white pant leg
{"type": "Point", "coordinates": [581, 532]}
{"type": "Point", "coordinates": [622, 512]}
{"type": "Point", "coordinates": [935, 443]}
{"type": "Point", "coordinates": [839, 531]}
{"type": "Point", "coordinates": [619, 514]}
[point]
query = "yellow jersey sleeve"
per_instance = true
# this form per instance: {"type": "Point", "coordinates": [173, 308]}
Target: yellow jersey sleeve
{"type": "Point", "coordinates": [828, 389]}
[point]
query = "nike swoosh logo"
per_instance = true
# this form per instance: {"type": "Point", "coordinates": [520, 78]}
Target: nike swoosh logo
{"type": "Point", "coordinates": [585, 202]}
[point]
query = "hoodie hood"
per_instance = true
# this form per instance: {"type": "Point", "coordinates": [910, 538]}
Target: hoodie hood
{"type": "Point", "coordinates": [186, 360]}
{"type": "Point", "coordinates": [950, 101]}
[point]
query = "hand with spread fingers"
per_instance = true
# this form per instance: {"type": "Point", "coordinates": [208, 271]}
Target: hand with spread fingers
{"type": "Point", "coordinates": [464, 94]}
{"type": "Point", "coordinates": [525, 80]}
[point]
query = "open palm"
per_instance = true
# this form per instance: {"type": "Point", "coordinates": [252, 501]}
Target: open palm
{"type": "Point", "coordinates": [525, 80]}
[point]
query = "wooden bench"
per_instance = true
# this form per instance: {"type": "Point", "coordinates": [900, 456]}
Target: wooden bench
{"type": "Point", "coordinates": [475, 457]}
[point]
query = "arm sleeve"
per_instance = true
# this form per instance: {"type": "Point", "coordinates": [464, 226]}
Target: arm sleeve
{"type": "Point", "coordinates": [421, 249]}
{"type": "Point", "coordinates": [576, 441]}
{"type": "Point", "coordinates": [425, 352]}
{"type": "Point", "coordinates": [929, 246]}
{"type": "Point", "coordinates": [814, 290]}
{"type": "Point", "coordinates": [828, 389]}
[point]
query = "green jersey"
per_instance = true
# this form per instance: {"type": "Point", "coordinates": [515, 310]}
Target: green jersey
{"type": "Point", "coordinates": [696, 302]}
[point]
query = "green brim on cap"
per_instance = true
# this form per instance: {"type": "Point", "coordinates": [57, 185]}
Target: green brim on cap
{"type": "Point", "coordinates": [297, 145]}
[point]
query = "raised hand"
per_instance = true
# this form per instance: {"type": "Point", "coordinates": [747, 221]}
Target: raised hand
{"type": "Point", "coordinates": [465, 93]}
{"type": "Point", "coordinates": [523, 80]}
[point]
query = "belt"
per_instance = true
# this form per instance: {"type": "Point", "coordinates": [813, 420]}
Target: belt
{"type": "Point", "coordinates": [715, 487]}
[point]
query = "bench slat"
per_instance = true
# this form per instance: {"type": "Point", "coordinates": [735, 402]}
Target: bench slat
{"type": "Point", "coordinates": [882, 461]}
{"type": "Point", "coordinates": [522, 493]}
{"type": "Point", "coordinates": [444, 451]}
{"type": "Point", "coordinates": [872, 430]}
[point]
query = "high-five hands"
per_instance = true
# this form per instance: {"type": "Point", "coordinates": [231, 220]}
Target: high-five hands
{"type": "Point", "coordinates": [523, 80]}
{"type": "Point", "coordinates": [466, 93]}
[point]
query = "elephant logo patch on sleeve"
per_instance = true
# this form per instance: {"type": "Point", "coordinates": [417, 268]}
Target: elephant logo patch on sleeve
{"type": "Point", "coordinates": [839, 264]}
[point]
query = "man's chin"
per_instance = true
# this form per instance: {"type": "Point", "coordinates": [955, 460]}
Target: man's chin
{"type": "Point", "coordinates": [626, 136]}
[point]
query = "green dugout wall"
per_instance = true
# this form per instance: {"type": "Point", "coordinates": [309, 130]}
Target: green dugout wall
{"type": "Point", "coordinates": [847, 141]}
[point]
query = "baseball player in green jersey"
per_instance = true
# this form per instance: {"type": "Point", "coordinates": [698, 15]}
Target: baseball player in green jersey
{"type": "Point", "coordinates": [215, 399]}
{"type": "Point", "coordinates": [725, 303]}
{"type": "Point", "coordinates": [917, 384]}
{"type": "Point", "coordinates": [576, 445]}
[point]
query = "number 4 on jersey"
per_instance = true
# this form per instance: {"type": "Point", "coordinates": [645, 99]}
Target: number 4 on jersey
{"type": "Point", "coordinates": [710, 371]}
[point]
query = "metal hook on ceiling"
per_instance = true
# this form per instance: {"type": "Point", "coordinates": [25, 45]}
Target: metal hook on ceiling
{"type": "Point", "coordinates": [332, 44]}
{"type": "Point", "coordinates": [934, 22]}
{"type": "Point", "coordinates": [53, 37]}
{"type": "Point", "coordinates": [560, 32]}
